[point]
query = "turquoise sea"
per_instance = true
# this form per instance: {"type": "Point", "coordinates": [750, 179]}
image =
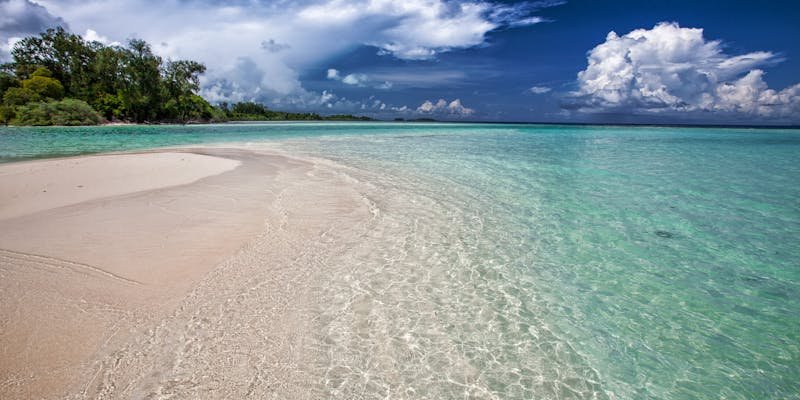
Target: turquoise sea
{"type": "Point", "coordinates": [543, 261]}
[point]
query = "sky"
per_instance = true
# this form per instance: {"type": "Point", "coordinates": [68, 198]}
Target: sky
{"type": "Point", "coordinates": [675, 62]}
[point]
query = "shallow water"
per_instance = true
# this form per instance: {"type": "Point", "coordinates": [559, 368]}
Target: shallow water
{"type": "Point", "coordinates": [524, 261]}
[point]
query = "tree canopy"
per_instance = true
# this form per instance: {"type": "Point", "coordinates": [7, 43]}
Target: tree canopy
{"type": "Point", "coordinates": [127, 83]}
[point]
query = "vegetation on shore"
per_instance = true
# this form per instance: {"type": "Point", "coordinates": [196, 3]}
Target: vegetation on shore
{"type": "Point", "coordinates": [248, 111]}
{"type": "Point", "coordinates": [58, 78]}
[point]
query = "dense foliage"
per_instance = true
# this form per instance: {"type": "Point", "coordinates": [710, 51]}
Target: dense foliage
{"type": "Point", "coordinates": [127, 83]}
{"type": "Point", "coordinates": [249, 111]}
{"type": "Point", "coordinates": [63, 112]}
{"type": "Point", "coordinates": [58, 78]}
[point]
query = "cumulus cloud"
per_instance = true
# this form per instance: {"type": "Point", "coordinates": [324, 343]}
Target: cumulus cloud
{"type": "Point", "coordinates": [357, 79]}
{"type": "Point", "coordinates": [539, 89]}
{"type": "Point", "coordinates": [420, 29]}
{"type": "Point", "coordinates": [93, 36]}
{"type": "Point", "coordinates": [334, 74]}
{"type": "Point", "coordinates": [671, 69]}
{"type": "Point", "coordinates": [442, 107]}
{"type": "Point", "coordinates": [283, 39]}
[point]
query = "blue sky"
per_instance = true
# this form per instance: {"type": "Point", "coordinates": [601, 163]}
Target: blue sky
{"type": "Point", "coordinates": [545, 61]}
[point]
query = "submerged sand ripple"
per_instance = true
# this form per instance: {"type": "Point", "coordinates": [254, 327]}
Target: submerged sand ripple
{"type": "Point", "coordinates": [286, 277]}
{"type": "Point", "coordinates": [245, 330]}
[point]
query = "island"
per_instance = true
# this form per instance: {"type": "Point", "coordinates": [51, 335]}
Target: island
{"type": "Point", "coordinates": [59, 78]}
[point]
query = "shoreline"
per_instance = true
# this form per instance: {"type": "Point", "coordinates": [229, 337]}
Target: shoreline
{"type": "Point", "coordinates": [405, 266]}
{"type": "Point", "coordinates": [423, 122]}
{"type": "Point", "coordinates": [88, 278]}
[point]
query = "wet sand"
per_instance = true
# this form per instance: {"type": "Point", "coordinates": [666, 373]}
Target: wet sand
{"type": "Point", "coordinates": [179, 272]}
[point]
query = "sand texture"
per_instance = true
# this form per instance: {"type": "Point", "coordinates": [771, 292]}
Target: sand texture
{"type": "Point", "coordinates": [182, 272]}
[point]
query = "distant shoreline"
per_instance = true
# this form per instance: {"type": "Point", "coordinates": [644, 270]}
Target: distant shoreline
{"type": "Point", "coordinates": [736, 126]}
{"type": "Point", "coordinates": [588, 124]}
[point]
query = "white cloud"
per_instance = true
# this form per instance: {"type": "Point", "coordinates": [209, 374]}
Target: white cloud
{"type": "Point", "coordinates": [333, 74]}
{"type": "Point", "coordinates": [355, 79]}
{"type": "Point", "coordinates": [751, 95]}
{"type": "Point", "coordinates": [7, 46]}
{"type": "Point", "coordinates": [428, 106]}
{"type": "Point", "coordinates": [670, 69]}
{"type": "Point", "coordinates": [418, 29]}
{"type": "Point", "coordinates": [282, 39]}
{"type": "Point", "coordinates": [326, 97]}
{"type": "Point", "coordinates": [442, 107]}
{"type": "Point", "coordinates": [93, 36]}
{"type": "Point", "coordinates": [539, 89]}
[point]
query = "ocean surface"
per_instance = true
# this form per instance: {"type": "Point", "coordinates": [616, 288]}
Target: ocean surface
{"type": "Point", "coordinates": [542, 261]}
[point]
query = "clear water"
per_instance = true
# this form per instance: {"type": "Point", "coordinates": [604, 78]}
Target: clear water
{"type": "Point", "coordinates": [524, 261]}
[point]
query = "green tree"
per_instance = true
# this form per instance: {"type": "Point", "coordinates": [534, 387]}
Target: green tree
{"type": "Point", "coordinates": [7, 80]}
{"type": "Point", "coordinates": [109, 106]}
{"type": "Point", "coordinates": [181, 82]}
{"type": "Point", "coordinates": [65, 54]}
{"type": "Point", "coordinates": [7, 113]}
{"type": "Point", "coordinates": [141, 82]}
{"type": "Point", "coordinates": [43, 85]}
{"type": "Point", "coordinates": [219, 114]}
{"type": "Point", "coordinates": [106, 68]}
{"type": "Point", "coordinates": [249, 108]}
{"type": "Point", "coordinates": [42, 72]}
{"type": "Point", "coordinates": [17, 96]}
{"type": "Point", "coordinates": [122, 82]}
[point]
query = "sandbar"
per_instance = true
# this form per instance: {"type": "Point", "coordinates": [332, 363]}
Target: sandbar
{"type": "Point", "coordinates": [107, 260]}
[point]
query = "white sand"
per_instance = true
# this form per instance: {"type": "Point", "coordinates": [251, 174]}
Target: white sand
{"type": "Point", "coordinates": [33, 186]}
{"type": "Point", "coordinates": [103, 277]}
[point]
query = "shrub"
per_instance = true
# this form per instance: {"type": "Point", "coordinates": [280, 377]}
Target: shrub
{"type": "Point", "coordinates": [36, 114]}
{"type": "Point", "coordinates": [7, 114]}
{"type": "Point", "coordinates": [74, 112]}
{"type": "Point", "coordinates": [110, 106]}
{"type": "Point", "coordinates": [64, 112]}
{"type": "Point", "coordinates": [17, 96]}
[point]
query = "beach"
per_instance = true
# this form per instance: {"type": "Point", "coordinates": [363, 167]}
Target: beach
{"type": "Point", "coordinates": [98, 250]}
{"type": "Point", "coordinates": [388, 260]}
{"type": "Point", "coordinates": [420, 199]}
